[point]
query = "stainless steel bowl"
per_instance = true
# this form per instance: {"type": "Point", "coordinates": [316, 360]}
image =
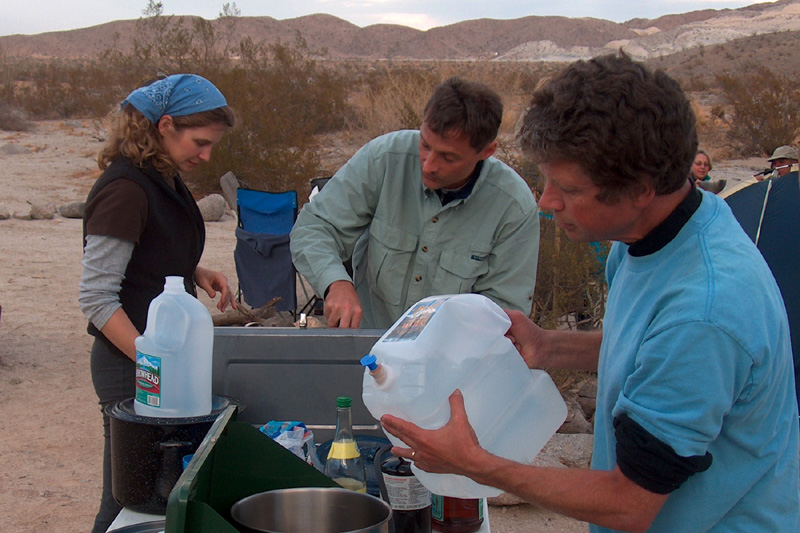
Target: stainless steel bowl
{"type": "Point", "coordinates": [312, 510]}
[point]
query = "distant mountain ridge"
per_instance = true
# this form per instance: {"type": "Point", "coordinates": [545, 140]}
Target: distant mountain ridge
{"type": "Point", "coordinates": [532, 38]}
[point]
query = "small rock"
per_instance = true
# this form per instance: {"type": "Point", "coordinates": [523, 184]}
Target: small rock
{"type": "Point", "coordinates": [576, 421]}
{"type": "Point", "coordinates": [5, 214]}
{"type": "Point", "coordinates": [588, 389]}
{"type": "Point", "coordinates": [13, 149]}
{"type": "Point", "coordinates": [212, 207]}
{"type": "Point", "coordinates": [505, 499]}
{"type": "Point", "coordinates": [72, 210]}
{"type": "Point", "coordinates": [42, 212]}
{"type": "Point", "coordinates": [570, 450]}
{"type": "Point", "coordinates": [587, 398]}
{"type": "Point", "coordinates": [22, 216]}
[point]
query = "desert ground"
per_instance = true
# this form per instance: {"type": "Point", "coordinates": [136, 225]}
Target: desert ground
{"type": "Point", "coordinates": [50, 424]}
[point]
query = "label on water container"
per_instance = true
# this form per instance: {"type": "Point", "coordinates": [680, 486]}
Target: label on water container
{"type": "Point", "coordinates": [148, 379]}
{"type": "Point", "coordinates": [414, 321]}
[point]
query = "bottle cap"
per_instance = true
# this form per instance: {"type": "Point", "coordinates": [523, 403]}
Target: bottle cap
{"type": "Point", "coordinates": [369, 361]}
{"type": "Point", "coordinates": [343, 401]}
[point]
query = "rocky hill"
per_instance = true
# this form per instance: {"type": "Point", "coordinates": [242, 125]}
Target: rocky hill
{"type": "Point", "coordinates": [531, 38]}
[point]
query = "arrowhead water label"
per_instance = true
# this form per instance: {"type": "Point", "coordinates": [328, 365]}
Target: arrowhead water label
{"type": "Point", "coordinates": [148, 379]}
{"type": "Point", "coordinates": [414, 321]}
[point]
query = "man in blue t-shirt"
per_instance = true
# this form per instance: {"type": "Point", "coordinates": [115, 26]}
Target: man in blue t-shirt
{"type": "Point", "coordinates": [696, 423]}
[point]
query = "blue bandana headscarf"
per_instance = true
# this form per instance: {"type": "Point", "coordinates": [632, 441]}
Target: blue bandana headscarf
{"type": "Point", "coordinates": [176, 95]}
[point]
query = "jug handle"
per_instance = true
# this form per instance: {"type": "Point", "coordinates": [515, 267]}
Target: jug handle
{"type": "Point", "coordinates": [376, 464]}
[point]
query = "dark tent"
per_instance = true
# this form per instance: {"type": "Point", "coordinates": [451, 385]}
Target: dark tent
{"type": "Point", "coordinates": [769, 213]}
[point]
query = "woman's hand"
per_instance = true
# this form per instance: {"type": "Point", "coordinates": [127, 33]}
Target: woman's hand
{"type": "Point", "coordinates": [212, 281]}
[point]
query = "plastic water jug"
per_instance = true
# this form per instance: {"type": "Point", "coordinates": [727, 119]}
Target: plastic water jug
{"type": "Point", "coordinates": [444, 343]}
{"type": "Point", "coordinates": [174, 356]}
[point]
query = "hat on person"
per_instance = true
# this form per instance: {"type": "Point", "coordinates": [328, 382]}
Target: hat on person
{"type": "Point", "coordinates": [783, 152]}
{"type": "Point", "coordinates": [177, 95]}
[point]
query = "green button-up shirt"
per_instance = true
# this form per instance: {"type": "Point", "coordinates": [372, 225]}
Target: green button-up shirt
{"type": "Point", "coordinates": [406, 245]}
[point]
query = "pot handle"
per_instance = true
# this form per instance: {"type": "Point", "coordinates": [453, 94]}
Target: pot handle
{"type": "Point", "coordinates": [172, 468]}
{"type": "Point", "coordinates": [170, 445]}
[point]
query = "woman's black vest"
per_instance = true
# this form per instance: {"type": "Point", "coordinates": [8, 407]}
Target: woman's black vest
{"type": "Point", "coordinates": [170, 245]}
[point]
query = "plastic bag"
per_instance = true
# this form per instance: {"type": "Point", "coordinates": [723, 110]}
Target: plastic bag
{"type": "Point", "coordinates": [295, 437]}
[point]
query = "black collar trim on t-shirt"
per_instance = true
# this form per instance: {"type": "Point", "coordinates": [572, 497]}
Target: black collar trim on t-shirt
{"type": "Point", "coordinates": [663, 234]}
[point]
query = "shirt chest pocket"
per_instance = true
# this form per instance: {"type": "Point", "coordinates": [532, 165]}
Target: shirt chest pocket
{"type": "Point", "coordinates": [460, 268]}
{"type": "Point", "coordinates": [389, 253]}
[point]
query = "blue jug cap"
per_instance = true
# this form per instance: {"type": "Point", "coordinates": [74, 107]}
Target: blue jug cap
{"type": "Point", "coordinates": [369, 361]}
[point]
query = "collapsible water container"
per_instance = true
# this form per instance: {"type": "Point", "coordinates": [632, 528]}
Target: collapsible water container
{"type": "Point", "coordinates": [450, 342]}
{"type": "Point", "coordinates": [174, 356]}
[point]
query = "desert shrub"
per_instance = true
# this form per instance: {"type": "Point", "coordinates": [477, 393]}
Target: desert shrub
{"type": "Point", "coordinates": [712, 129]}
{"type": "Point", "coordinates": [389, 100]}
{"type": "Point", "coordinates": [570, 283]}
{"type": "Point", "coordinates": [284, 100]}
{"type": "Point", "coordinates": [765, 110]}
{"type": "Point", "coordinates": [393, 96]}
{"type": "Point", "coordinates": [48, 90]}
{"type": "Point", "coordinates": [13, 119]}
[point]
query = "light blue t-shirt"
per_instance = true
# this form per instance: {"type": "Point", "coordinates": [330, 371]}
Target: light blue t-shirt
{"type": "Point", "coordinates": [696, 350]}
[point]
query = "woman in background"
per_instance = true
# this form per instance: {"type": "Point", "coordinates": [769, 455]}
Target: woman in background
{"type": "Point", "coordinates": [701, 167]}
{"type": "Point", "coordinates": [140, 225]}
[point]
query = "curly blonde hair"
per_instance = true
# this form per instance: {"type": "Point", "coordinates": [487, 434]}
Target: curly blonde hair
{"type": "Point", "coordinates": [135, 137]}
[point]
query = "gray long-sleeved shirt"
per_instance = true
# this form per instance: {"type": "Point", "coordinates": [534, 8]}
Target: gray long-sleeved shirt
{"type": "Point", "coordinates": [104, 262]}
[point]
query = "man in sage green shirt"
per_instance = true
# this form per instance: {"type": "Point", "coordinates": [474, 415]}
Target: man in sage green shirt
{"type": "Point", "coordinates": [421, 213]}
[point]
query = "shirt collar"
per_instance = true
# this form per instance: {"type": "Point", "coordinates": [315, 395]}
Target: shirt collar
{"type": "Point", "coordinates": [663, 234]}
{"type": "Point", "coordinates": [448, 196]}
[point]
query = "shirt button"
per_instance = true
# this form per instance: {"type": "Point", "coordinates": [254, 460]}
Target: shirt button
{"type": "Point", "coordinates": [424, 248]}
{"type": "Point", "coordinates": [435, 220]}
{"type": "Point", "coordinates": [418, 278]}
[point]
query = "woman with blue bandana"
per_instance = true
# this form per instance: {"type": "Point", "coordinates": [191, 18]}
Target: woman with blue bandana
{"type": "Point", "coordinates": [141, 224]}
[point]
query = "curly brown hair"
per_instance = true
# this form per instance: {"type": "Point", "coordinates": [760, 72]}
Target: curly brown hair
{"type": "Point", "coordinates": [135, 137]}
{"type": "Point", "coordinates": [624, 125]}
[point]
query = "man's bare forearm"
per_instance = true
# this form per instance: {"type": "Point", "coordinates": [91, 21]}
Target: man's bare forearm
{"type": "Point", "coordinates": [570, 350]}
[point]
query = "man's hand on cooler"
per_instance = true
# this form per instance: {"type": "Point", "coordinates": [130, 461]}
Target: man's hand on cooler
{"type": "Point", "coordinates": [342, 306]}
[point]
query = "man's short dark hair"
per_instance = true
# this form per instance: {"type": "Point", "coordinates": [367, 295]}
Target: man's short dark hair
{"type": "Point", "coordinates": [624, 124]}
{"type": "Point", "coordinates": [465, 107]}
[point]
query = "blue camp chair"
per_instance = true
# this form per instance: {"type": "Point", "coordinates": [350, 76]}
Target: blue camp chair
{"type": "Point", "coordinates": [262, 257]}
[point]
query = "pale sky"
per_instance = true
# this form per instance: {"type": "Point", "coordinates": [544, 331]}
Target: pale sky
{"type": "Point", "coordinates": [39, 16]}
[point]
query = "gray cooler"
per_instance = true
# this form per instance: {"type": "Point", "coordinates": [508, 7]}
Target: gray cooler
{"type": "Point", "coordinates": [294, 374]}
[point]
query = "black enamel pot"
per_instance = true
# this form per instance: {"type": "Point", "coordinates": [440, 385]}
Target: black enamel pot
{"type": "Point", "coordinates": [147, 453]}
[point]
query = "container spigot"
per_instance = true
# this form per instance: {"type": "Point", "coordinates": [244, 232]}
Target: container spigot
{"type": "Point", "coordinates": [377, 371]}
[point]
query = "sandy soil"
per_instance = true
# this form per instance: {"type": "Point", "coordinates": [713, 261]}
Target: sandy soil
{"type": "Point", "coordinates": [50, 425]}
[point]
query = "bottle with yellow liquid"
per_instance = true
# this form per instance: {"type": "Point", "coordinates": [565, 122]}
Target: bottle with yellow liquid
{"type": "Point", "coordinates": [344, 464]}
